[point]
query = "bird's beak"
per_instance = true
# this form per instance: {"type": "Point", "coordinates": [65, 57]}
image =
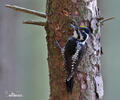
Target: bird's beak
{"type": "Point", "coordinates": [73, 26]}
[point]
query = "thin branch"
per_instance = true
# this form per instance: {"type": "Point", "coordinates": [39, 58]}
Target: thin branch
{"type": "Point", "coordinates": [106, 19]}
{"type": "Point", "coordinates": [25, 10]}
{"type": "Point", "coordinates": [35, 23]}
{"type": "Point", "coordinates": [100, 18]}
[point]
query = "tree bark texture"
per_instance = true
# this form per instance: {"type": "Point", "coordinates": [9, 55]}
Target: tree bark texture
{"type": "Point", "coordinates": [88, 81]}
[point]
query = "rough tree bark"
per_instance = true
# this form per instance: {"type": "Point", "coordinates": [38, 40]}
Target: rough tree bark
{"type": "Point", "coordinates": [60, 14]}
{"type": "Point", "coordinates": [88, 81]}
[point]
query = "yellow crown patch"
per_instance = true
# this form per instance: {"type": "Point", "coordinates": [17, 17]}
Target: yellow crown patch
{"type": "Point", "coordinates": [82, 26]}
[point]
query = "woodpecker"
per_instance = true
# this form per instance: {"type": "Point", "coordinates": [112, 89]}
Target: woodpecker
{"type": "Point", "coordinates": [73, 52]}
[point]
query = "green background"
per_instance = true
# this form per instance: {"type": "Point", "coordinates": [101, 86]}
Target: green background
{"type": "Point", "coordinates": [23, 52]}
{"type": "Point", "coordinates": [111, 48]}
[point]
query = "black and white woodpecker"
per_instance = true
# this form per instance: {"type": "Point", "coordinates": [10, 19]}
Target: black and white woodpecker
{"type": "Point", "coordinates": [73, 52]}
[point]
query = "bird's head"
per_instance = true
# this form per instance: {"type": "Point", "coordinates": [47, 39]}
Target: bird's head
{"type": "Point", "coordinates": [81, 32]}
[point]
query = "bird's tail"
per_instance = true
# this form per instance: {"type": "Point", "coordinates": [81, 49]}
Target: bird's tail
{"type": "Point", "coordinates": [69, 84]}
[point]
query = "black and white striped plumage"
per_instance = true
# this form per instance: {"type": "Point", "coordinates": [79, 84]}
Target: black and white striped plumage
{"type": "Point", "coordinates": [73, 52]}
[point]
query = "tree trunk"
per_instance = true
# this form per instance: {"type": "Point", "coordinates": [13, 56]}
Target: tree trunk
{"type": "Point", "coordinates": [88, 81]}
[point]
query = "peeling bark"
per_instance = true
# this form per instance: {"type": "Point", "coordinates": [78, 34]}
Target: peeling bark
{"type": "Point", "coordinates": [88, 81]}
